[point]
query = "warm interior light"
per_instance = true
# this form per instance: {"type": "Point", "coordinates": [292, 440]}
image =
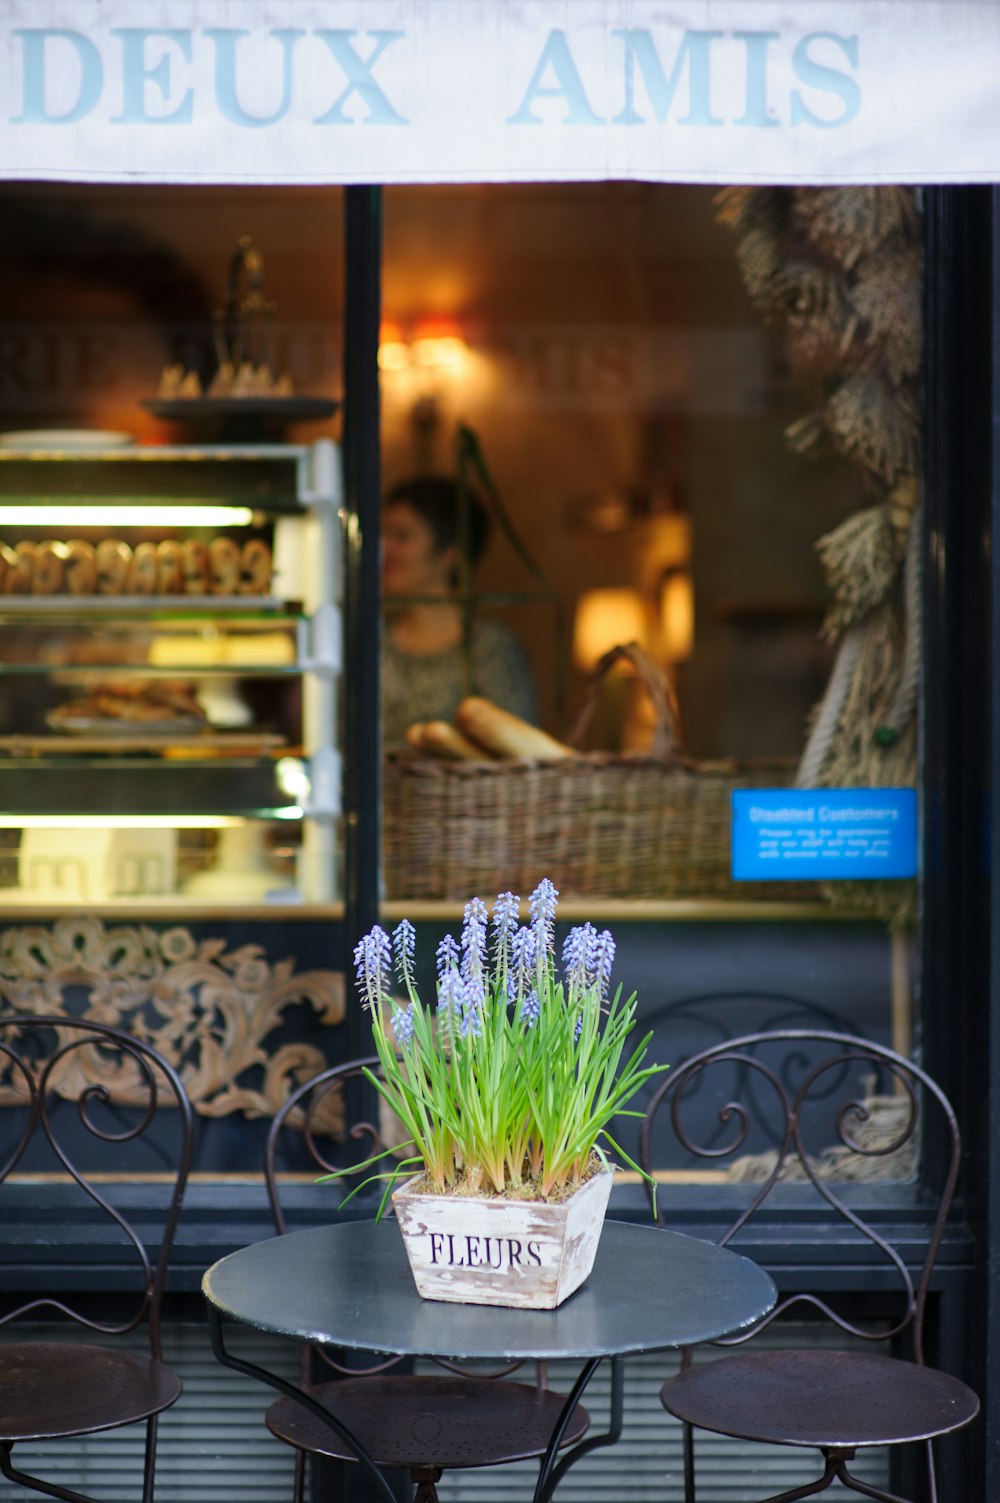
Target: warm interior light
{"type": "Point", "coordinates": [128, 514]}
{"type": "Point", "coordinates": [434, 345]}
{"type": "Point", "coordinates": [677, 615]}
{"type": "Point", "coordinates": [439, 352]}
{"type": "Point", "coordinates": [11, 821]}
{"type": "Point", "coordinates": [606, 618]}
{"type": "Point", "coordinates": [393, 355]}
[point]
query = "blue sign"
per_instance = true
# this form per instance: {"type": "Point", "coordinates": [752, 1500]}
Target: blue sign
{"type": "Point", "coordinates": [794, 834]}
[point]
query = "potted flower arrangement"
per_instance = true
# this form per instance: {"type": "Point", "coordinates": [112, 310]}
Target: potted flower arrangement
{"type": "Point", "coordinates": [505, 1088]}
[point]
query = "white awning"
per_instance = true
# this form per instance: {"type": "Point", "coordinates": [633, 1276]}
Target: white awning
{"type": "Point", "coordinates": [396, 91]}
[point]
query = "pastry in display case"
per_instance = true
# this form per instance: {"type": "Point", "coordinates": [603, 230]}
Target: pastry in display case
{"type": "Point", "coordinates": [168, 673]}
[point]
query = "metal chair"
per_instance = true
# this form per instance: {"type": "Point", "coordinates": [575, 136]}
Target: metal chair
{"type": "Point", "coordinates": [823, 1108]}
{"type": "Point", "coordinates": [426, 1424]}
{"type": "Point", "coordinates": [71, 1087]}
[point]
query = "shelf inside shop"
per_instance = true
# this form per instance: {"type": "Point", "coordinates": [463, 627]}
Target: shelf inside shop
{"type": "Point", "coordinates": [266, 478]}
{"type": "Point", "coordinates": [645, 910]}
{"type": "Point", "coordinates": [170, 454]}
{"type": "Point", "coordinates": [110, 671]}
{"type": "Point", "coordinates": [227, 786]}
{"type": "Point", "coordinates": [97, 749]}
{"type": "Point", "coordinates": [189, 816]}
{"type": "Point", "coordinates": [172, 906]}
{"type": "Point", "coordinates": [46, 608]}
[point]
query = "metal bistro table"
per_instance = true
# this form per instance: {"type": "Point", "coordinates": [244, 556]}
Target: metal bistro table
{"type": "Point", "coordinates": [349, 1285]}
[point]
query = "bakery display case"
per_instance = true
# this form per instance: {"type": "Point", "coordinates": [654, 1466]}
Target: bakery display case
{"type": "Point", "coordinates": [170, 651]}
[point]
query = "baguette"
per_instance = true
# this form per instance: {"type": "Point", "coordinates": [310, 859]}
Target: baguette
{"type": "Point", "coordinates": [504, 735]}
{"type": "Point", "coordinates": [442, 739]}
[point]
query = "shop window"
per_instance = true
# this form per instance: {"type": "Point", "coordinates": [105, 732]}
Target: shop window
{"type": "Point", "coordinates": [698, 412]}
{"type": "Point", "coordinates": [170, 376]}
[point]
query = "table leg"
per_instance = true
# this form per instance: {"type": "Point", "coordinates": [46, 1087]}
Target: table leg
{"type": "Point", "coordinates": [551, 1474]}
{"type": "Point", "coordinates": [382, 1487]}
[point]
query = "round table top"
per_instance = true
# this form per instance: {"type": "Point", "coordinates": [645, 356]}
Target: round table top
{"type": "Point", "coordinates": [349, 1285]}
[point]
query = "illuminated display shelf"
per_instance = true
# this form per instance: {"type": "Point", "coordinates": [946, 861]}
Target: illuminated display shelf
{"type": "Point", "coordinates": [176, 774]}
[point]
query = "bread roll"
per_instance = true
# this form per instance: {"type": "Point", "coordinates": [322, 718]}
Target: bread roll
{"type": "Point", "coordinates": [224, 566]}
{"type": "Point", "coordinates": [20, 569]}
{"type": "Point", "coordinates": [144, 571]}
{"type": "Point", "coordinates": [255, 567]}
{"type": "Point", "coordinates": [443, 740]}
{"type": "Point", "coordinates": [169, 570]}
{"type": "Point", "coordinates": [8, 569]}
{"type": "Point", "coordinates": [194, 566]}
{"type": "Point", "coordinates": [505, 735]}
{"type": "Point", "coordinates": [81, 567]}
{"type": "Point", "coordinates": [50, 569]}
{"type": "Point", "coordinates": [113, 560]}
{"type": "Point", "coordinates": [414, 734]}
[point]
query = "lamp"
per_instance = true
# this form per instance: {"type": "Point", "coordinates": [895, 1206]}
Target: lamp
{"type": "Point", "coordinates": [676, 614]}
{"type": "Point", "coordinates": [604, 619]}
{"type": "Point", "coordinates": [430, 346]}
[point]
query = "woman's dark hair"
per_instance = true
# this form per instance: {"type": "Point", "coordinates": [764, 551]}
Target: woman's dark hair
{"type": "Point", "coordinates": [436, 499]}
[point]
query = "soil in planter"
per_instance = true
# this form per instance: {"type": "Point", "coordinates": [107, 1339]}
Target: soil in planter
{"type": "Point", "coordinates": [527, 1190]}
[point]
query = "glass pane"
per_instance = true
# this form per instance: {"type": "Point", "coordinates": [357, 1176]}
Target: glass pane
{"type": "Point", "coordinates": [692, 420]}
{"type": "Point", "coordinates": [169, 590]}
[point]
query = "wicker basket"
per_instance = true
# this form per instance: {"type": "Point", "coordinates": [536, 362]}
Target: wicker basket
{"type": "Point", "coordinates": [599, 824]}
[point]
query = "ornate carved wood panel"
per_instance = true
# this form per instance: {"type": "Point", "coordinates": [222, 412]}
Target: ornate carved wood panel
{"type": "Point", "coordinates": [216, 1014]}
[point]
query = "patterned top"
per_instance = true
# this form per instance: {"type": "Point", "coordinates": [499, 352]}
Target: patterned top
{"type": "Point", "coordinates": [429, 686]}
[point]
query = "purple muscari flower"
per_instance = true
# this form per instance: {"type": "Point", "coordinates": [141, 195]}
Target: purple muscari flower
{"type": "Point", "coordinates": [542, 908]}
{"type": "Point", "coordinates": [505, 911]}
{"type": "Point", "coordinates": [451, 989]}
{"type": "Point", "coordinates": [472, 1017]}
{"type": "Point", "coordinates": [402, 1025]}
{"type": "Point", "coordinates": [404, 941]}
{"type": "Point", "coordinates": [372, 957]}
{"type": "Point", "coordinates": [578, 1028]}
{"type": "Point", "coordinates": [542, 904]}
{"type": "Point", "coordinates": [474, 939]}
{"type": "Point", "coordinates": [504, 923]}
{"type": "Point", "coordinates": [602, 959]}
{"type": "Point", "coordinates": [471, 1023]}
{"type": "Point", "coordinates": [530, 1009]}
{"type": "Point", "coordinates": [447, 955]}
{"type": "Point", "coordinates": [577, 957]}
{"type": "Point", "coordinates": [523, 950]}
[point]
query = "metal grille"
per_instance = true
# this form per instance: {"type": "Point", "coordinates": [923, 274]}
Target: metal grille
{"type": "Point", "coordinates": [646, 1464]}
{"type": "Point", "coordinates": [214, 1447]}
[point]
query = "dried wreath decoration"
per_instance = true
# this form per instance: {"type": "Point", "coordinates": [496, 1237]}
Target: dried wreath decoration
{"type": "Point", "coordinates": [509, 1083]}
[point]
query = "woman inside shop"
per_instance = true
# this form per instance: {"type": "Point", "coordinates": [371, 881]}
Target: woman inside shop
{"type": "Point", "coordinates": [423, 670]}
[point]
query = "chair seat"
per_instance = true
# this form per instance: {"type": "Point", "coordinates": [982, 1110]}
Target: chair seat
{"type": "Point", "coordinates": [429, 1421]}
{"type": "Point", "coordinates": [822, 1399]}
{"type": "Point", "coordinates": [49, 1389]}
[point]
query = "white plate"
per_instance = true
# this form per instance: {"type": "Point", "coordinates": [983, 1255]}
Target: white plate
{"type": "Point", "coordinates": [66, 438]}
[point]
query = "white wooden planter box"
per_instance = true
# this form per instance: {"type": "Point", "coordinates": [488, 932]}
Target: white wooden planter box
{"type": "Point", "coordinates": [524, 1253]}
